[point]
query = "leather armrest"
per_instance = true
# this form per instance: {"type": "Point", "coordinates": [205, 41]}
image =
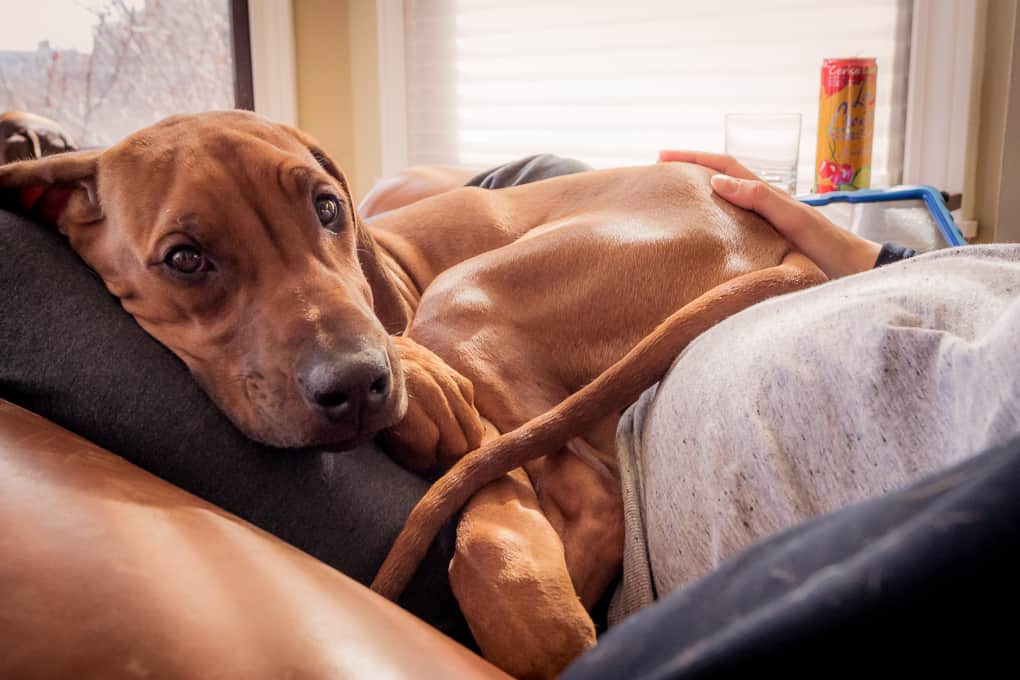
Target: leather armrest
{"type": "Point", "coordinates": [108, 571]}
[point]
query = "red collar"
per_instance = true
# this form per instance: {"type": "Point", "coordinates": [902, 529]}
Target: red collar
{"type": "Point", "coordinates": [46, 202]}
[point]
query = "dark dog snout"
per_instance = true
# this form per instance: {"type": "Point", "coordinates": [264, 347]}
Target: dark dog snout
{"type": "Point", "coordinates": [347, 387]}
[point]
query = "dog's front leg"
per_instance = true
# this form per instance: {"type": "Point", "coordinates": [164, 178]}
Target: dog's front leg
{"type": "Point", "coordinates": [441, 423]}
{"type": "Point", "coordinates": [510, 576]}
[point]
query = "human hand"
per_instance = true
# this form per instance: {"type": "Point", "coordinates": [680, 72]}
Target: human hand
{"type": "Point", "coordinates": [835, 250]}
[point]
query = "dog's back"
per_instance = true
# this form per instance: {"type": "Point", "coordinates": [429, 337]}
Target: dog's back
{"type": "Point", "coordinates": [604, 255]}
{"type": "Point", "coordinates": [569, 242]}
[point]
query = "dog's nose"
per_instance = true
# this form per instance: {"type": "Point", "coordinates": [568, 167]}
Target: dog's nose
{"type": "Point", "coordinates": [348, 386]}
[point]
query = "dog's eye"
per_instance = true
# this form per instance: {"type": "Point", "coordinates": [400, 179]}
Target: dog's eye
{"type": "Point", "coordinates": [327, 208]}
{"type": "Point", "coordinates": [185, 259]}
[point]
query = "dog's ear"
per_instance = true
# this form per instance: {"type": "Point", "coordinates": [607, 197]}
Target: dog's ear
{"type": "Point", "coordinates": [387, 303]}
{"type": "Point", "coordinates": [59, 190]}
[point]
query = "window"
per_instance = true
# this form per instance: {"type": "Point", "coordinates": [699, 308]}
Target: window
{"type": "Point", "coordinates": [612, 82]}
{"type": "Point", "coordinates": [105, 68]}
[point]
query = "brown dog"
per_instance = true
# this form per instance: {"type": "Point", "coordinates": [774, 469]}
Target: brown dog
{"type": "Point", "coordinates": [233, 241]}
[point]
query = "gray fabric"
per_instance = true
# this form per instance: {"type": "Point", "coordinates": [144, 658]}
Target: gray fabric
{"type": "Point", "coordinates": [811, 402]}
{"type": "Point", "coordinates": [635, 589]}
{"type": "Point", "coordinates": [524, 170]}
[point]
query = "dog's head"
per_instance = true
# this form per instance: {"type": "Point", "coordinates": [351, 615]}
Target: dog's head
{"type": "Point", "coordinates": [234, 242]}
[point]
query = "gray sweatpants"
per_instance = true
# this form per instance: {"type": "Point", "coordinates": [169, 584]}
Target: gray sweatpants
{"type": "Point", "coordinates": [810, 402]}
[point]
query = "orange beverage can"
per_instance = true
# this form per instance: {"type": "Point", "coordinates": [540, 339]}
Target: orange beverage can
{"type": "Point", "coordinates": [846, 123]}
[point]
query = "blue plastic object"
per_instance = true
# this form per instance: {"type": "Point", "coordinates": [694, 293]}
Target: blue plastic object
{"type": "Point", "coordinates": [929, 194]}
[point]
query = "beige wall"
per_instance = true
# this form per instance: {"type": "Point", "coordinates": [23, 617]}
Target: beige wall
{"type": "Point", "coordinates": [1008, 223]}
{"type": "Point", "coordinates": [338, 84]}
{"type": "Point", "coordinates": [365, 119]}
{"type": "Point", "coordinates": [996, 195]}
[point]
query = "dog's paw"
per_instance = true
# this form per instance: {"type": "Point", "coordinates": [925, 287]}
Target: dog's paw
{"type": "Point", "coordinates": [441, 423]}
{"type": "Point", "coordinates": [26, 136]}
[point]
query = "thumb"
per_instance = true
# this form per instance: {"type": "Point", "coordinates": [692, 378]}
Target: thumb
{"type": "Point", "coordinates": [758, 196]}
{"type": "Point", "coordinates": [747, 193]}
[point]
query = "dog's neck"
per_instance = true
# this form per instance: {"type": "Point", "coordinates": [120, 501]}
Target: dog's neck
{"type": "Point", "coordinates": [420, 241]}
{"type": "Point", "coordinates": [411, 265]}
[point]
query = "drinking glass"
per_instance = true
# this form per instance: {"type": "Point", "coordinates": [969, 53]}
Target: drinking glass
{"type": "Point", "coordinates": [767, 144]}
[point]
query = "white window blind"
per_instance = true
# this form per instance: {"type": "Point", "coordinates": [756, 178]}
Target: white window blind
{"type": "Point", "coordinates": [611, 82]}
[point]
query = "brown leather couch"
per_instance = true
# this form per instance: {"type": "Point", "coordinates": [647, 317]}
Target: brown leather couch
{"type": "Point", "coordinates": [107, 571]}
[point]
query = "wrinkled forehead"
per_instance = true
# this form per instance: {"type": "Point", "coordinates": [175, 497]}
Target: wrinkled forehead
{"type": "Point", "coordinates": [197, 161]}
{"type": "Point", "coordinates": [200, 145]}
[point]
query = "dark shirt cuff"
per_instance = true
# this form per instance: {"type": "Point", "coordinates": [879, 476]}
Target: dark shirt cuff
{"type": "Point", "coordinates": [893, 253]}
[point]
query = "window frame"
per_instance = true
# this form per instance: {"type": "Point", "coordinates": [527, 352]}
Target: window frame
{"type": "Point", "coordinates": [942, 32]}
{"type": "Point", "coordinates": [945, 50]}
{"type": "Point", "coordinates": [273, 61]}
{"type": "Point", "coordinates": [240, 37]}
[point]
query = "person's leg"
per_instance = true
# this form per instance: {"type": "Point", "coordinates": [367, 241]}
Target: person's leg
{"type": "Point", "coordinates": [70, 353]}
{"type": "Point", "coordinates": [409, 186]}
{"type": "Point", "coordinates": [423, 181]}
{"type": "Point", "coordinates": [916, 579]}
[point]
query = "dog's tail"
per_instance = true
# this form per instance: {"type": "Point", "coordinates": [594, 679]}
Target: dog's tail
{"type": "Point", "coordinates": [612, 391]}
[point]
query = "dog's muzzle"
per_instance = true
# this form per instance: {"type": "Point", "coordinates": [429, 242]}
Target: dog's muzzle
{"type": "Point", "coordinates": [346, 388]}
